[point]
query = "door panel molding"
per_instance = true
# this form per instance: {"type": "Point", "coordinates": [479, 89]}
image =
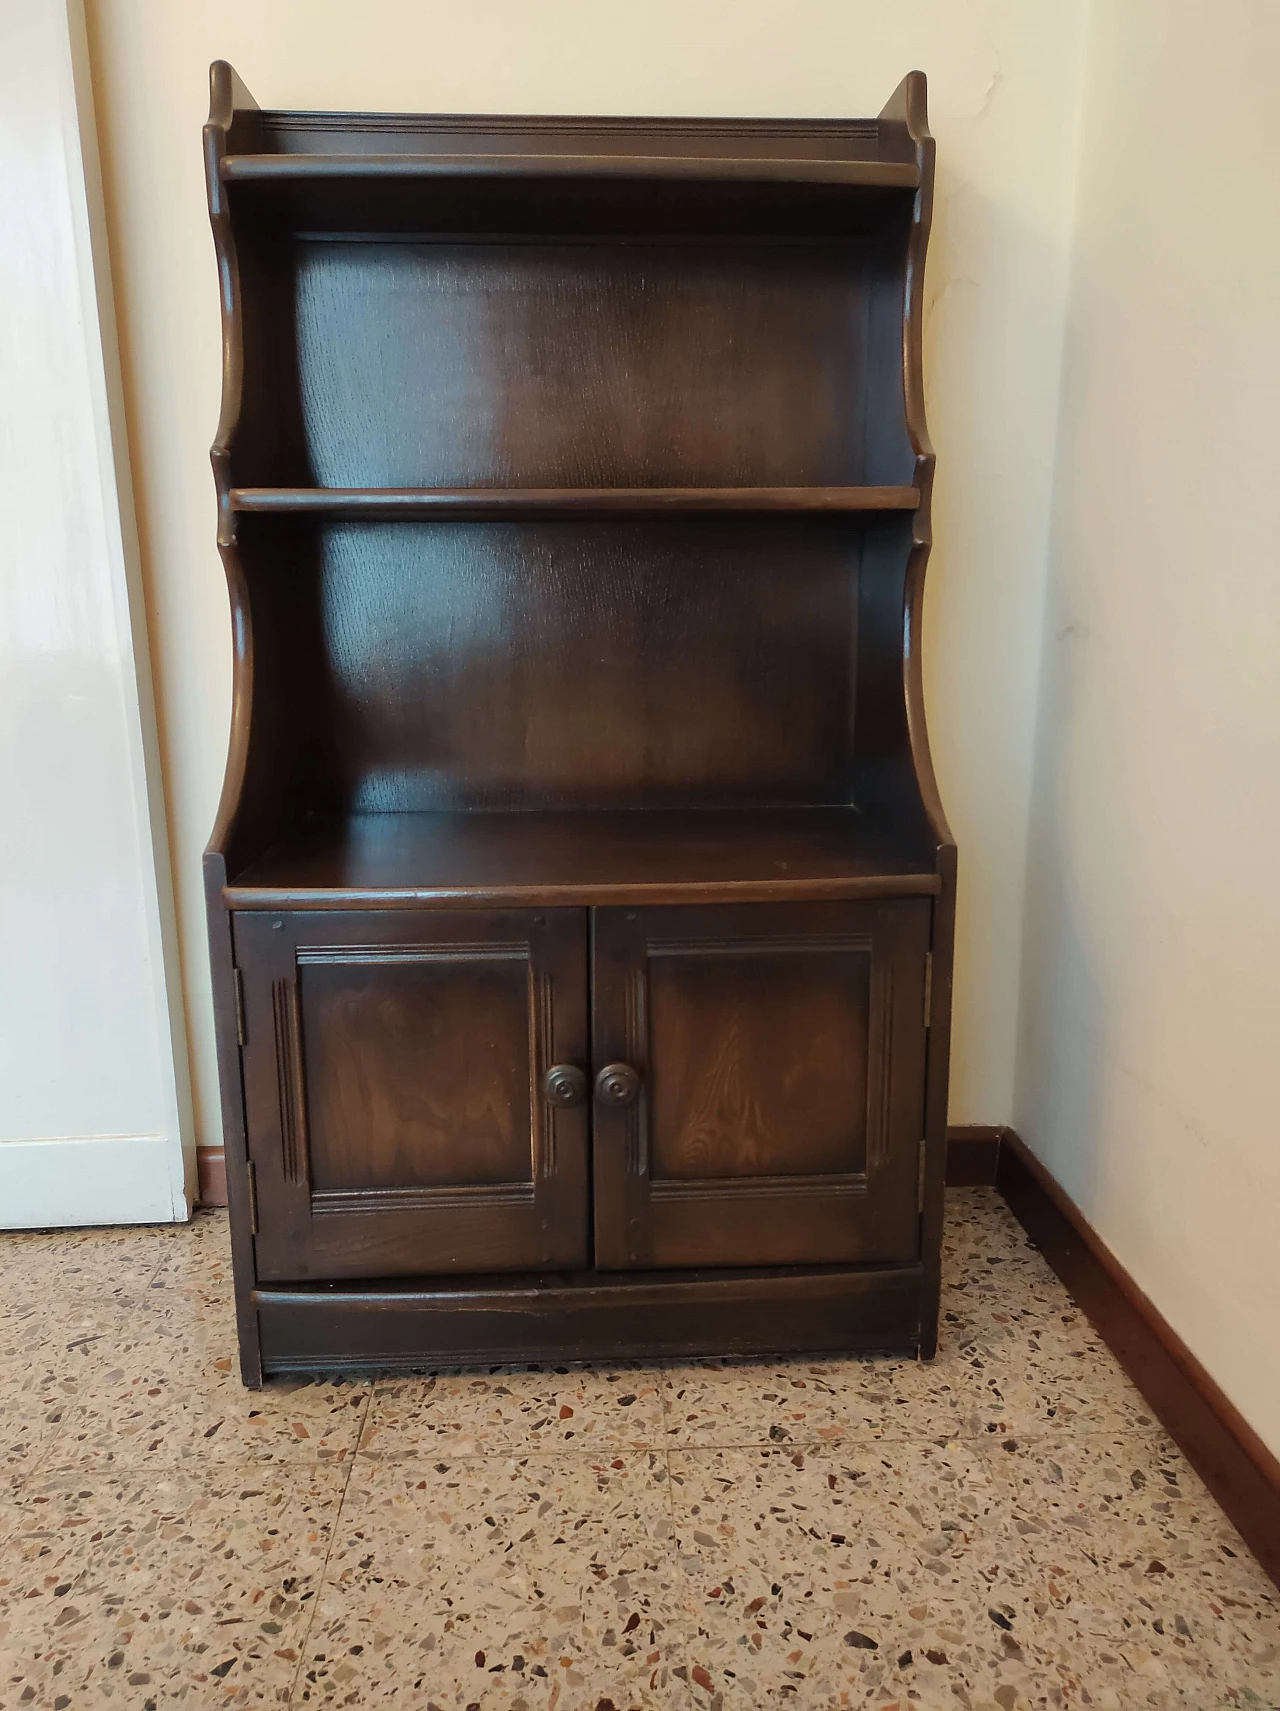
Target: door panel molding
{"type": "Point", "coordinates": [375, 1120]}
{"type": "Point", "coordinates": [758, 1187]}
{"type": "Point", "coordinates": [512, 951]}
{"type": "Point", "coordinates": [342, 1202]}
{"type": "Point", "coordinates": [542, 1114]}
{"type": "Point", "coordinates": [865, 1213]}
{"type": "Point", "coordinates": [291, 1081]}
{"type": "Point", "coordinates": [636, 1045]}
{"type": "Point", "coordinates": [775, 944]}
{"type": "Point", "coordinates": [880, 1064]}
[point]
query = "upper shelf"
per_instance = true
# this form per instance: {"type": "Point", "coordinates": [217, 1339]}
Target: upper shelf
{"type": "Point", "coordinates": [373, 174]}
{"type": "Point", "coordinates": [498, 502]}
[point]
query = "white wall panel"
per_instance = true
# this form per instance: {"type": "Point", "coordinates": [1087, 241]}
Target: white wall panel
{"type": "Point", "coordinates": [88, 1042]}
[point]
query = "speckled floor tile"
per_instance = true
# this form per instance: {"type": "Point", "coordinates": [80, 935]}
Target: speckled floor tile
{"type": "Point", "coordinates": [95, 1264]}
{"type": "Point", "coordinates": [855, 1576]}
{"type": "Point", "coordinates": [544, 1582]}
{"type": "Point", "coordinates": [26, 1442]}
{"type": "Point", "coordinates": [1023, 1372]}
{"type": "Point", "coordinates": [1150, 1591]}
{"type": "Point", "coordinates": [1007, 1525]}
{"type": "Point", "coordinates": [162, 1386]}
{"type": "Point", "coordinates": [981, 1232]}
{"type": "Point", "coordinates": [162, 1587]}
{"type": "Point", "coordinates": [42, 1345]}
{"type": "Point", "coordinates": [1033, 1356]}
{"type": "Point", "coordinates": [198, 1267]}
{"type": "Point", "coordinates": [1015, 1355]}
{"type": "Point", "coordinates": [27, 1429]}
{"type": "Point", "coordinates": [976, 1387]}
{"type": "Point", "coordinates": [991, 1272]}
{"type": "Point", "coordinates": [510, 1410]}
{"type": "Point", "coordinates": [792, 1401]}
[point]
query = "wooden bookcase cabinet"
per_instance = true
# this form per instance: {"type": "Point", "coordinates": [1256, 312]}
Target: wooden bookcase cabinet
{"type": "Point", "coordinates": [580, 899]}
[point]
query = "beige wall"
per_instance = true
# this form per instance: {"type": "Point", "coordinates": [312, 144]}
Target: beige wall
{"type": "Point", "coordinates": [1003, 98]}
{"type": "Point", "coordinates": [1151, 989]}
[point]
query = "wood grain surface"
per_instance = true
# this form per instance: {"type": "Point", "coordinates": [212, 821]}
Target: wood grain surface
{"type": "Point", "coordinates": [581, 901]}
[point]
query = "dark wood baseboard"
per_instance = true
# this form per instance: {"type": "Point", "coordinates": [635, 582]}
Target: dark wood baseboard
{"type": "Point", "coordinates": [1225, 1451]}
{"type": "Point", "coordinates": [211, 1176]}
{"type": "Point", "coordinates": [973, 1155]}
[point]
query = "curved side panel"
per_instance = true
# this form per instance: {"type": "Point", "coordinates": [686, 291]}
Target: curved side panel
{"type": "Point", "coordinates": [222, 838]}
{"type": "Point", "coordinates": [908, 106]}
{"type": "Point", "coordinates": [227, 95]}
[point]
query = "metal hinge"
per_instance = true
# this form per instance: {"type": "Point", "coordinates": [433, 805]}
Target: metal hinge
{"type": "Point", "coordinates": [253, 1199]}
{"type": "Point", "coordinates": [238, 986]}
{"type": "Point", "coordinates": [928, 987]}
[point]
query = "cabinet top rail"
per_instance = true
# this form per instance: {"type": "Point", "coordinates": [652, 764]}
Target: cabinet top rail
{"type": "Point", "coordinates": [419, 164]}
{"type": "Point", "coordinates": [568, 501]}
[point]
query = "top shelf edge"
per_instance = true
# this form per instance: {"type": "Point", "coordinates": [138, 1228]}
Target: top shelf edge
{"type": "Point", "coordinates": [576, 502]}
{"type": "Point", "coordinates": [309, 168]}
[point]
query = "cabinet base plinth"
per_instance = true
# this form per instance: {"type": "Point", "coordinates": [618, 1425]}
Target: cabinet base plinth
{"type": "Point", "coordinates": [416, 1327]}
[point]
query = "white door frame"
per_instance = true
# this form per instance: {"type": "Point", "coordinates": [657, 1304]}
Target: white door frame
{"type": "Point", "coordinates": [95, 1101]}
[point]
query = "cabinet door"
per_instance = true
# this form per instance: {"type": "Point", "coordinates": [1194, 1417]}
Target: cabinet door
{"type": "Point", "coordinates": [759, 1095]}
{"type": "Point", "coordinates": [401, 1115]}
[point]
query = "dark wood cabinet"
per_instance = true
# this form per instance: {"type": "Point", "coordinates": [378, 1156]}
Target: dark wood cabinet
{"type": "Point", "coordinates": [776, 1115]}
{"type": "Point", "coordinates": [580, 899]}
{"type": "Point", "coordinates": [396, 1088]}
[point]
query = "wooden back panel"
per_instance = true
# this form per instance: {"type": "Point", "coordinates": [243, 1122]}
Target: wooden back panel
{"type": "Point", "coordinates": [565, 664]}
{"type": "Point", "coordinates": [552, 363]}
{"type": "Point", "coordinates": [582, 365]}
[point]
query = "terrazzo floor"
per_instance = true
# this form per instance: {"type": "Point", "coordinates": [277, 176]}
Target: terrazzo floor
{"type": "Point", "coordinates": [1007, 1528]}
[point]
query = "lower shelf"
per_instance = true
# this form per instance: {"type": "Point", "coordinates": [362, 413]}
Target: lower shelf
{"type": "Point", "coordinates": [819, 1310]}
{"type": "Point", "coordinates": [583, 858]}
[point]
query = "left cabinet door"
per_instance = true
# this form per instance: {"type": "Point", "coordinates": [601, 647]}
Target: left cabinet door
{"type": "Point", "coordinates": [401, 1113]}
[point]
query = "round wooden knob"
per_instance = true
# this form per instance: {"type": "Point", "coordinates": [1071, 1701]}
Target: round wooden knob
{"type": "Point", "coordinates": [617, 1084]}
{"type": "Point", "coordinates": [564, 1084]}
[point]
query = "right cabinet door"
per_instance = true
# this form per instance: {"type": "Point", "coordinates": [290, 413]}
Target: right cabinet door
{"type": "Point", "coordinates": [759, 1083]}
